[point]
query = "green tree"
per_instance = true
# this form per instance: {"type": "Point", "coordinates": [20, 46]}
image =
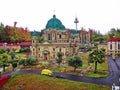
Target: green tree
{"type": "Point", "coordinates": [2, 50]}
{"type": "Point", "coordinates": [30, 61]}
{"type": "Point", "coordinates": [27, 61]}
{"type": "Point", "coordinates": [75, 61]}
{"type": "Point", "coordinates": [14, 65]}
{"type": "Point", "coordinates": [5, 35]}
{"type": "Point", "coordinates": [1, 27]}
{"type": "Point", "coordinates": [1, 30]}
{"type": "Point", "coordinates": [12, 54]}
{"type": "Point", "coordinates": [114, 33]}
{"type": "Point", "coordinates": [4, 60]}
{"type": "Point", "coordinates": [98, 39]}
{"type": "Point", "coordinates": [117, 34]}
{"type": "Point", "coordinates": [22, 62]}
{"type": "Point", "coordinates": [111, 33]}
{"type": "Point", "coordinates": [97, 56]}
{"type": "Point", "coordinates": [105, 37]}
{"type": "Point", "coordinates": [59, 59]}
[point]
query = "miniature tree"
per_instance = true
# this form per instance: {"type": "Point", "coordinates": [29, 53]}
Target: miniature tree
{"type": "Point", "coordinates": [97, 56]}
{"type": "Point", "coordinates": [75, 61]}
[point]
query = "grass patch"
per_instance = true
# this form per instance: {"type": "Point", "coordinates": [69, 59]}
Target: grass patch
{"type": "Point", "coordinates": [20, 55]}
{"type": "Point", "coordinates": [98, 74]}
{"type": "Point", "coordinates": [40, 82]}
{"type": "Point", "coordinates": [102, 69]}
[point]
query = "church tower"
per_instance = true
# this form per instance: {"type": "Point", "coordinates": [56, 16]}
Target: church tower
{"type": "Point", "coordinates": [35, 41]}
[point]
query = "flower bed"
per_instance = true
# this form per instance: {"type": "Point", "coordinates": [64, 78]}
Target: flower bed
{"type": "Point", "coordinates": [3, 80]}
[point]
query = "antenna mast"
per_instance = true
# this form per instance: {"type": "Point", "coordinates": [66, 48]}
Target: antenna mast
{"type": "Point", "coordinates": [76, 22]}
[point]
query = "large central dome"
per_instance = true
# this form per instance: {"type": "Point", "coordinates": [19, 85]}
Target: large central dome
{"type": "Point", "coordinates": [55, 23]}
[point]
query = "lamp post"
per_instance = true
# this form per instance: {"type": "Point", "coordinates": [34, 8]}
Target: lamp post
{"type": "Point", "coordinates": [113, 86]}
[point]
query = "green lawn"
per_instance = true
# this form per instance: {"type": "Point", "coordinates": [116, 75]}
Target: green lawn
{"type": "Point", "coordinates": [40, 82]}
{"type": "Point", "coordinates": [20, 55]}
{"type": "Point", "coordinates": [102, 69]}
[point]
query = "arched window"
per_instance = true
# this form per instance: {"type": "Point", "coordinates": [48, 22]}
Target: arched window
{"type": "Point", "coordinates": [39, 49]}
{"type": "Point", "coordinates": [33, 49]}
{"type": "Point", "coordinates": [48, 36]}
{"type": "Point", "coordinates": [53, 49]}
{"type": "Point", "coordinates": [118, 46]}
{"type": "Point", "coordinates": [60, 36]}
{"type": "Point", "coordinates": [39, 55]}
{"type": "Point", "coordinates": [33, 41]}
{"type": "Point", "coordinates": [111, 46]}
{"type": "Point", "coordinates": [60, 49]}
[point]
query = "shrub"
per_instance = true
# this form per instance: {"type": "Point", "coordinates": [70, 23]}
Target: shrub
{"type": "Point", "coordinates": [22, 61]}
{"type": "Point", "coordinates": [14, 65]}
{"type": "Point", "coordinates": [28, 61]}
{"type": "Point", "coordinates": [22, 50]}
{"type": "Point", "coordinates": [43, 65]}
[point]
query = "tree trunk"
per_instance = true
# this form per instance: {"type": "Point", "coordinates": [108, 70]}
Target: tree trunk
{"type": "Point", "coordinates": [95, 67]}
{"type": "Point", "coordinates": [13, 68]}
{"type": "Point", "coordinates": [3, 68]}
{"type": "Point", "coordinates": [74, 69]}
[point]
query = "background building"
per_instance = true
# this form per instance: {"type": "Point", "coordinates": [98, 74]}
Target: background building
{"type": "Point", "coordinates": [114, 46]}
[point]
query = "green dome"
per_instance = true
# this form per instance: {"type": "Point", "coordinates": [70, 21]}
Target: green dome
{"type": "Point", "coordinates": [34, 33]}
{"type": "Point", "coordinates": [55, 23]}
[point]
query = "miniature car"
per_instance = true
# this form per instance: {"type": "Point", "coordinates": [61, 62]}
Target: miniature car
{"type": "Point", "coordinates": [46, 72]}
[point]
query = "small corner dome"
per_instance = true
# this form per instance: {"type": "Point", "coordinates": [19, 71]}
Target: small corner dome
{"type": "Point", "coordinates": [34, 33]}
{"type": "Point", "coordinates": [55, 23]}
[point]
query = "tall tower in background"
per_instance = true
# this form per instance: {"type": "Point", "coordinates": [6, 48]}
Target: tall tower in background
{"type": "Point", "coordinates": [76, 22]}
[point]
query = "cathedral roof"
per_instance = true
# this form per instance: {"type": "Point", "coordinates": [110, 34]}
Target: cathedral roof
{"type": "Point", "coordinates": [73, 31]}
{"type": "Point", "coordinates": [55, 23]}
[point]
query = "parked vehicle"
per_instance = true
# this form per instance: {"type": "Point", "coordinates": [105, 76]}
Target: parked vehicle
{"type": "Point", "coordinates": [46, 72]}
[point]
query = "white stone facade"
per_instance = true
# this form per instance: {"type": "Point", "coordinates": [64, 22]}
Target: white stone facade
{"type": "Point", "coordinates": [113, 46]}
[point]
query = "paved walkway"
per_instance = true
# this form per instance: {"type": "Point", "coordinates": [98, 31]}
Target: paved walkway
{"type": "Point", "coordinates": [114, 67]}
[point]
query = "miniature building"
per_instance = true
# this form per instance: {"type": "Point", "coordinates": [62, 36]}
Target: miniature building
{"type": "Point", "coordinates": [114, 46]}
{"type": "Point", "coordinates": [10, 46]}
{"type": "Point", "coordinates": [56, 39]}
{"type": "Point", "coordinates": [15, 46]}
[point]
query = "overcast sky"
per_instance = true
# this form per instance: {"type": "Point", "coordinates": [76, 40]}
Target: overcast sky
{"type": "Point", "coordinates": [34, 14]}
